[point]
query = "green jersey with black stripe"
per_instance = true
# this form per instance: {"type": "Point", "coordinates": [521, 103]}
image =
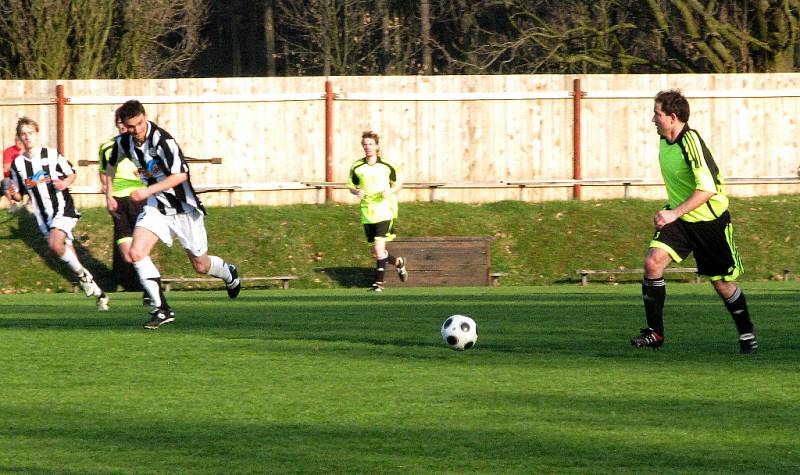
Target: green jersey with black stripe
{"type": "Point", "coordinates": [374, 179]}
{"type": "Point", "coordinates": [687, 165]}
{"type": "Point", "coordinates": [126, 179]}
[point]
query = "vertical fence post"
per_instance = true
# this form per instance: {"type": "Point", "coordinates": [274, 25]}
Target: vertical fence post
{"type": "Point", "coordinates": [329, 95]}
{"type": "Point", "coordinates": [577, 173]}
{"type": "Point", "coordinates": [61, 100]}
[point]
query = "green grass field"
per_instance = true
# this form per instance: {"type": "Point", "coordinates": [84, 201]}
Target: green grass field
{"type": "Point", "coordinates": [343, 381]}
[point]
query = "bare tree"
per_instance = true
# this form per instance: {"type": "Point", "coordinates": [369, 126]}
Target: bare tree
{"type": "Point", "coordinates": [159, 37]}
{"type": "Point", "coordinates": [425, 27]}
{"type": "Point", "coordinates": [42, 39]}
{"type": "Point", "coordinates": [36, 37]}
{"type": "Point", "coordinates": [729, 36]}
{"type": "Point", "coordinates": [269, 36]}
{"type": "Point", "coordinates": [331, 37]}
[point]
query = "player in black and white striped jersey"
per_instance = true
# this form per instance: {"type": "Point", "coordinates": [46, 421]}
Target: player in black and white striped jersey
{"type": "Point", "coordinates": [172, 208]}
{"type": "Point", "coordinates": [45, 176]}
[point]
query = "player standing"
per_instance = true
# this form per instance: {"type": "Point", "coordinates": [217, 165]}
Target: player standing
{"type": "Point", "coordinates": [695, 220]}
{"type": "Point", "coordinates": [126, 181]}
{"type": "Point", "coordinates": [376, 182]}
{"type": "Point", "coordinates": [45, 176]}
{"type": "Point", "coordinates": [171, 209]}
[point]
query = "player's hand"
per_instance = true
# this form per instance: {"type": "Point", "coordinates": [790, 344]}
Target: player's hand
{"type": "Point", "coordinates": [664, 217]}
{"type": "Point", "coordinates": [59, 184]}
{"type": "Point", "coordinates": [139, 195]}
{"type": "Point", "coordinates": [111, 206]}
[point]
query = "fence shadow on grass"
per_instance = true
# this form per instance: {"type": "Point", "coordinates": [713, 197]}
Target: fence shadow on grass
{"type": "Point", "coordinates": [349, 276]}
{"type": "Point", "coordinates": [27, 231]}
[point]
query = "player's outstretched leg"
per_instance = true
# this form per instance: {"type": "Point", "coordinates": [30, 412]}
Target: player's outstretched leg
{"type": "Point", "coordinates": [150, 279]}
{"type": "Point", "coordinates": [215, 266]}
{"type": "Point", "coordinates": [234, 286]}
{"type": "Point", "coordinates": [91, 289]}
{"type": "Point", "coordinates": [736, 304]}
{"type": "Point", "coordinates": [400, 265]}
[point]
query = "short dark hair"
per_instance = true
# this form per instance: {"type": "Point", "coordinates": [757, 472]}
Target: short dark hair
{"type": "Point", "coordinates": [674, 102]}
{"type": "Point", "coordinates": [130, 109]}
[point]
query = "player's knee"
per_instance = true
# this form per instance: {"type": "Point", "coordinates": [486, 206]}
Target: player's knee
{"type": "Point", "coordinates": [201, 267]}
{"type": "Point", "coordinates": [134, 255]}
{"type": "Point", "coordinates": [653, 265]}
{"type": "Point", "coordinates": [724, 288]}
{"type": "Point", "coordinates": [58, 247]}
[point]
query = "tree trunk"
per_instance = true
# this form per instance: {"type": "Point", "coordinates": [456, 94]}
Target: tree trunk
{"type": "Point", "coordinates": [269, 36]}
{"type": "Point", "coordinates": [425, 29]}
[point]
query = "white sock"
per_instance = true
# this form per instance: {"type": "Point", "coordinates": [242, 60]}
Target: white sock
{"type": "Point", "coordinates": [150, 278]}
{"type": "Point", "coordinates": [71, 259]}
{"type": "Point", "coordinates": [219, 269]}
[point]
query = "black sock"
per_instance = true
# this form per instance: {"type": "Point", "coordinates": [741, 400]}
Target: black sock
{"type": "Point", "coordinates": [380, 269]}
{"type": "Point", "coordinates": [391, 259]}
{"type": "Point", "coordinates": [654, 293]}
{"type": "Point", "coordinates": [737, 306]}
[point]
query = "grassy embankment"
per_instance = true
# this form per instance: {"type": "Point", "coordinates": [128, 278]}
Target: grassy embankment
{"type": "Point", "coordinates": [536, 243]}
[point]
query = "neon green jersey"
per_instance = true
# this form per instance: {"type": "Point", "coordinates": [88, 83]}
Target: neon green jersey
{"type": "Point", "coordinates": [374, 180]}
{"type": "Point", "coordinates": [687, 165]}
{"type": "Point", "coordinates": [126, 178]}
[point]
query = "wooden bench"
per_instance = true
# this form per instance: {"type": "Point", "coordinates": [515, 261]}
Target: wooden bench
{"type": "Point", "coordinates": [444, 261]}
{"type": "Point", "coordinates": [495, 278]}
{"type": "Point", "coordinates": [169, 281]}
{"type": "Point", "coordinates": [212, 161]}
{"type": "Point", "coordinates": [585, 273]}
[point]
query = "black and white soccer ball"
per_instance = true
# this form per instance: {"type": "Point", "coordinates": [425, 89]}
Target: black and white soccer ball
{"type": "Point", "coordinates": [460, 332]}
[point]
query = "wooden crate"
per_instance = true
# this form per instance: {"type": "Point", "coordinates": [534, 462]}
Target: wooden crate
{"type": "Point", "coordinates": [442, 261]}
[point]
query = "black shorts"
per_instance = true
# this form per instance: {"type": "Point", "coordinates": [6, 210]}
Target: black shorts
{"type": "Point", "coordinates": [710, 241]}
{"type": "Point", "coordinates": [125, 218]}
{"type": "Point", "coordinates": [381, 230]}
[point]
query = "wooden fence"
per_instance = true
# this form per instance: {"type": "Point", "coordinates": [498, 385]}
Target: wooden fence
{"type": "Point", "coordinates": [456, 138]}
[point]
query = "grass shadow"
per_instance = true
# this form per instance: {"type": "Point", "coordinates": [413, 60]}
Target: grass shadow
{"type": "Point", "coordinates": [27, 231]}
{"type": "Point", "coordinates": [349, 276]}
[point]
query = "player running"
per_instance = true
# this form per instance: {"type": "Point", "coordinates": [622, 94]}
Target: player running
{"type": "Point", "coordinates": [376, 182]}
{"type": "Point", "coordinates": [45, 176]}
{"type": "Point", "coordinates": [695, 220]}
{"type": "Point", "coordinates": [171, 209]}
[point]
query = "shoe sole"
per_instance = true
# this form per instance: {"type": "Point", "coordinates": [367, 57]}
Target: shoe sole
{"type": "Point", "coordinates": [653, 347]}
{"type": "Point", "coordinates": [154, 326]}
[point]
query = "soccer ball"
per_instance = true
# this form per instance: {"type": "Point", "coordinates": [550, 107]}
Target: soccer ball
{"type": "Point", "coordinates": [460, 332]}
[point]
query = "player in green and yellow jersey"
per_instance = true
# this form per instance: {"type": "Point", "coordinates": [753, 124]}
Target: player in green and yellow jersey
{"type": "Point", "coordinates": [696, 220]}
{"type": "Point", "coordinates": [376, 182]}
{"type": "Point", "coordinates": [125, 182]}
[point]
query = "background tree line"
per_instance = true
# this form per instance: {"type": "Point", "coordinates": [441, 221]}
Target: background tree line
{"type": "Point", "coordinates": [45, 39]}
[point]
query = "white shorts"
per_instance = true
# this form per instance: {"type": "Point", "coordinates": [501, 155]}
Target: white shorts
{"type": "Point", "coordinates": [189, 228]}
{"type": "Point", "coordinates": [63, 223]}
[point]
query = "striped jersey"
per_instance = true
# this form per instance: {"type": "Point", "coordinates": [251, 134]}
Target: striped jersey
{"type": "Point", "coordinates": [126, 177]}
{"type": "Point", "coordinates": [34, 177]}
{"type": "Point", "coordinates": [687, 165]}
{"type": "Point", "coordinates": [156, 159]}
{"type": "Point", "coordinates": [374, 180]}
